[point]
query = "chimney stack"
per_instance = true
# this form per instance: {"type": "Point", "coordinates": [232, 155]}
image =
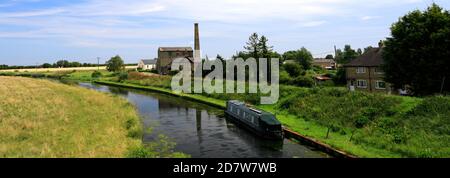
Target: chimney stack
{"type": "Point", "coordinates": [197, 54]}
{"type": "Point", "coordinates": [381, 44]}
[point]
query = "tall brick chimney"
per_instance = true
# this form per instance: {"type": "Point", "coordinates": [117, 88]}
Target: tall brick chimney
{"type": "Point", "coordinates": [197, 54]}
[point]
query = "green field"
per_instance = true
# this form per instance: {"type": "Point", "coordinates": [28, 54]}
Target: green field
{"type": "Point", "coordinates": [41, 118]}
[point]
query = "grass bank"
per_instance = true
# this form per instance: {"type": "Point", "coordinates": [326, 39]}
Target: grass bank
{"type": "Point", "coordinates": [41, 118]}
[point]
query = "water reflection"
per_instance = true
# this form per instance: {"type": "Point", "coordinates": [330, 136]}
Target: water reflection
{"type": "Point", "coordinates": [200, 130]}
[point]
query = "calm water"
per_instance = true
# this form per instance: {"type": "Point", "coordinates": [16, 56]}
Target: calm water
{"type": "Point", "coordinates": [201, 130]}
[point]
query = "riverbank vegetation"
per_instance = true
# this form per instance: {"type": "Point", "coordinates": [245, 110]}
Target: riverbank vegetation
{"type": "Point", "coordinates": [362, 124]}
{"type": "Point", "coordinates": [41, 118]}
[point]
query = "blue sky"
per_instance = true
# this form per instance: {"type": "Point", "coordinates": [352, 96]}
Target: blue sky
{"type": "Point", "coordinates": [38, 31]}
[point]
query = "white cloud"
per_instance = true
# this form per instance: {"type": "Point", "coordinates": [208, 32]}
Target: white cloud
{"type": "Point", "coordinates": [97, 20]}
{"type": "Point", "coordinates": [366, 18]}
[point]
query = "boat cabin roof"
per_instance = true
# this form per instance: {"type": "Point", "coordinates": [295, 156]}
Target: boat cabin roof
{"type": "Point", "coordinates": [267, 117]}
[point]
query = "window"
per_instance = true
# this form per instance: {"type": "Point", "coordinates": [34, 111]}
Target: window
{"type": "Point", "coordinates": [379, 70]}
{"type": "Point", "coordinates": [380, 85]}
{"type": "Point", "coordinates": [361, 84]}
{"type": "Point", "coordinates": [360, 70]}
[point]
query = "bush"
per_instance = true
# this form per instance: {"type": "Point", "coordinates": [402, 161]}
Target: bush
{"type": "Point", "coordinates": [154, 71]}
{"type": "Point", "coordinates": [361, 122]}
{"type": "Point", "coordinates": [340, 78]}
{"type": "Point", "coordinates": [294, 69]}
{"type": "Point", "coordinates": [303, 81]}
{"type": "Point", "coordinates": [38, 75]}
{"type": "Point", "coordinates": [285, 78]}
{"type": "Point", "coordinates": [96, 74]}
{"type": "Point", "coordinates": [123, 76]}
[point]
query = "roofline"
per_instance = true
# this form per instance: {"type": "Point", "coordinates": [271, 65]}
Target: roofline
{"type": "Point", "coordinates": [345, 65]}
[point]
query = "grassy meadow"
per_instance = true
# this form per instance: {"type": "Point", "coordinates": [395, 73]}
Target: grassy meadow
{"type": "Point", "coordinates": [42, 118]}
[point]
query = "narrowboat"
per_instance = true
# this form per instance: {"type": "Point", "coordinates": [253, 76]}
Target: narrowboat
{"type": "Point", "coordinates": [262, 123]}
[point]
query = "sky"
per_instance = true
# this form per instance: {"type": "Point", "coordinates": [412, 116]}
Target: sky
{"type": "Point", "coordinates": [43, 31]}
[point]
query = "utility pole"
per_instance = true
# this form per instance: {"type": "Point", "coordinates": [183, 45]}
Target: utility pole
{"type": "Point", "coordinates": [335, 57]}
{"type": "Point", "coordinates": [98, 63]}
{"type": "Point", "coordinates": [335, 53]}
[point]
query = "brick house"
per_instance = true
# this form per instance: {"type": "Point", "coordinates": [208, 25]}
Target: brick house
{"type": "Point", "coordinates": [167, 54]}
{"type": "Point", "coordinates": [365, 73]}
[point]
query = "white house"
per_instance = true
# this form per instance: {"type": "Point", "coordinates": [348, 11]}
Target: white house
{"type": "Point", "coordinates": [147, 64]}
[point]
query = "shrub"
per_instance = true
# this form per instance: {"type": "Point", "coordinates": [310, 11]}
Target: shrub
{"type": "Point", "coordinates": [154, 71]}
{"type": "Point", "coordinates": [340, 78]}
{"type": "Point", "coordinates": [361, 122]}
{"type": "Point", "coordinates": [123, 76]}
{"type": "Point", "coordinates": [284, 77]}
{"type": "Point", "coordinates": [294, 69]}
{"type": "Point", "coordinates": [38, 75]}
{"type": "Point", "coordinates": [96, 74]}
{"type": "Point", "coordinates": [303, 81]}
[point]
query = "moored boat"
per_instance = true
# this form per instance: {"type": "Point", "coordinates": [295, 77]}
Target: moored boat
{"type": "Point", "coordinates": [262, 123]}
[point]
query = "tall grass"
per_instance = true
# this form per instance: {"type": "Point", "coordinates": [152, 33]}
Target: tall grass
{"type": "Point", "coordinates": [41, 118]}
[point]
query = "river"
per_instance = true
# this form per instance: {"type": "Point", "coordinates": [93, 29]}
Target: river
{"type": "Point", "coordinates": [202, 131]}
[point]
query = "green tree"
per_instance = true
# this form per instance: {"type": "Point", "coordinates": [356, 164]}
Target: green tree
{"type": "Point", "coordinates": [62, 63]}
{"type": "Point", "coordinates": [343, 57]}
{"type": "Point", "coordinates": [253, 46]}
{"type": "Point", "coordinates": [115, 64]}
{"type": "Point", "coordinates": [302, 56]}
{"type": "Point", "coordinates": [75, 64]}
{"type": "Point", "coordinates": [46, 65]}
{"type": "Point", "coordinates": [293, 69]}
{"type": "Point", "coordinates": [417, 55]}
{"type": "Point", "coordinates": [340, 77]}
{"type": "Point", "coordinates": [329, 56]}
{"type": "Point", "coordinates": [266, 50]}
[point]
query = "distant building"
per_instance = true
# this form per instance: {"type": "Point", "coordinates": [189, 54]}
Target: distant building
{"type": "Point", "coordinates": [166, 55]}
{"type": "Point", "coordinates": [365, 73]}
{"type": "Point", "coordinates": [328, 64]}
{"type": "Point", "coordinates": [147, 64]}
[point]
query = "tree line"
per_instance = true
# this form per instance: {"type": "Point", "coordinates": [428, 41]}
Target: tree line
{"type": "Point", "coordinates": [416, 56]}
{"type": "Point", "coordinates": [58, 64]}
